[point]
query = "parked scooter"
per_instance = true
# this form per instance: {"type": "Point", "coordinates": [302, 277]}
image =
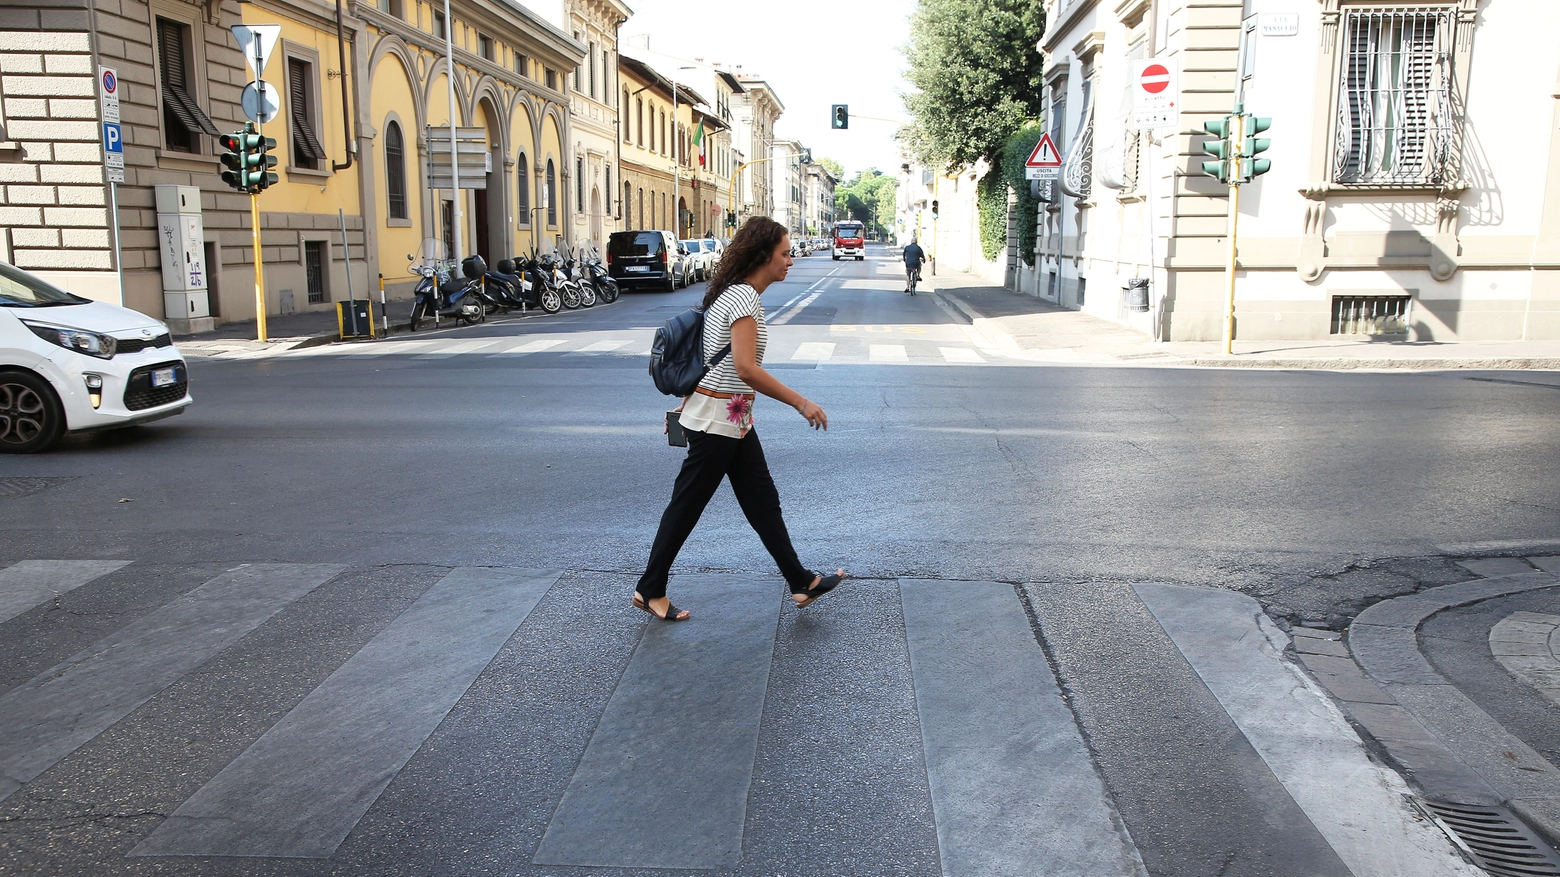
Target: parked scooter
{"type": "Point", "coordinates": [519, 289]}
{"type": "Point", "coordinates": [438, 296]}
{"type": "Point", "coordinates": [568, 289]}
{"type": "Point", "coordinates": [571, 270]}
{"type": "Point", "coordinates": [594, 273]}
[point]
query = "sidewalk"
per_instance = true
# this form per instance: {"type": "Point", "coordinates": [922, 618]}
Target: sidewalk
{"type": "Point", "coordinates": [1034, 329]}
{"type": "Point", "coordinates": [1382, 676]}
{"type": "Point", "coordinates": [308, 329]}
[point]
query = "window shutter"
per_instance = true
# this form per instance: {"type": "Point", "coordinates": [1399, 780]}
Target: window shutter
{"type": "Point", "coordinates": [523, 179]}
{"type": "Point", "coordinates": [395, 171]}
{"type": "Point", "coordinates": [176, 96]}
{"type": "Point", "coordinates": [305, 144]}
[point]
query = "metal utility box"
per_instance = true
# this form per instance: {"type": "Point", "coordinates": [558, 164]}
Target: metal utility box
{"type": "Point", "coordinates": [178, 199]}
{"type": "Point", "coordinates": [181, 241]}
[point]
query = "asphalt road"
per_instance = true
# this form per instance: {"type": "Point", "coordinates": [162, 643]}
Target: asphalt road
{"type": "Point", "coordinates": [364, 476]}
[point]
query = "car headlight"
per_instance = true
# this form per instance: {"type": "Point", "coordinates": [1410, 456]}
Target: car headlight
{"type": "Point", "coordinates": [79, 340]}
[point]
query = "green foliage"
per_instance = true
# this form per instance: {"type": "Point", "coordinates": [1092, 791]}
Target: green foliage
{"type": "Point", "coordinates": [993, 194]}
{"type": "Point", "coordinates": [991, 199]}
{"type": "Point", "coordinates": [867, 190]}
{"type": "Point", "coordinates": [1014, 153]}
{"type": "Point", "coordinates": [976, 69]}
{"type": "Point", "coordinates": [835, 169]}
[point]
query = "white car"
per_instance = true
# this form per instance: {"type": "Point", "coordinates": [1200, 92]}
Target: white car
{"type": "Point", "coordinates": [704, 255]}
{"type": "Point", "coordinates": [70, 364]}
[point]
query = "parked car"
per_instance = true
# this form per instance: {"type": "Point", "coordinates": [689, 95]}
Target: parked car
{"type": "Point", "coordinates": [70, 364]}
{"type": "Point", "coordinates": [701, 252]}
{"type": "Point", "coordinates": [648, 259]}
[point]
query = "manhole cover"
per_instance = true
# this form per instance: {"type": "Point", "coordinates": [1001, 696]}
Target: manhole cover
{"type": "Point", "coordinates": [1498, 841]}
{"type": "Point", "coordinates": [22, 486]}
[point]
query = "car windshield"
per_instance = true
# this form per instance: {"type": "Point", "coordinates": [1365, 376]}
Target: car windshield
{"type": "Point", "coordinates": [847, 231]}
{"type": "Point", "coordinates": [634, 243]}
{"type": "Point", "coordinates": [18, 289]}
{"type": "Point", "coordinates": [694, 246]}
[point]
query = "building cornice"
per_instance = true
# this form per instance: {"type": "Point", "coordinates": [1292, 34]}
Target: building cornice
{"type": "Point", "coordinates": [1062, 25]}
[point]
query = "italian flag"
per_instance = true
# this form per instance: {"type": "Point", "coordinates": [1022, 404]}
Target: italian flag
{"type": "Point", "coordinates": [698, 140]}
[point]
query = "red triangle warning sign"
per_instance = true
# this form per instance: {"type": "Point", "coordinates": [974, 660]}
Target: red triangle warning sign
{"type": "Point", "coordinates": [1045, 154]}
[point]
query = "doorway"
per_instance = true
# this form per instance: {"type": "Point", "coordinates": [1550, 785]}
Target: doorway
{"type": "Point", "coordinates": [480, 208]}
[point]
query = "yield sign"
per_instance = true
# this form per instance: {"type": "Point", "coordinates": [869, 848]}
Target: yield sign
{"type": "Point", "coordinates": [1045, 154]}
{"type": "Point", "coordinates": [257, 41]}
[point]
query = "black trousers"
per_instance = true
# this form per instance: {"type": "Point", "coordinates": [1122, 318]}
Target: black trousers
{"type": "Point", "coordinates": [710, 459]}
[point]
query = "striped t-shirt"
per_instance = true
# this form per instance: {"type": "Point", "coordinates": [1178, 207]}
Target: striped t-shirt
{"type": "Point", "coordinates": [723, 404]}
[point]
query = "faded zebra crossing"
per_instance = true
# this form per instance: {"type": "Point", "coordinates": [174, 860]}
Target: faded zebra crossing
{"type": "Point", "coordinates": [692, 722]}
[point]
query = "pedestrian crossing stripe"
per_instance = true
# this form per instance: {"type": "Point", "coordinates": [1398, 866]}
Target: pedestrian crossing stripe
{"type": "Point", "coordinates": [848, 352]}
{"type": "Point", "coordinates": [1013, 789]}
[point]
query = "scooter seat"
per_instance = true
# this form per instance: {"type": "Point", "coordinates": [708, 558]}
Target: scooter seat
{"type": "Point", "coordinates": [453, 287]}
{"type": "Point", "coordinates": [501, 276]}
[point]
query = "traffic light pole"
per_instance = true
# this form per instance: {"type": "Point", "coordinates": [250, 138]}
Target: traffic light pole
{"type": "Point", "coordinates": [254, 222]}
{"type": "Point", "coordinates": [1237, 142]}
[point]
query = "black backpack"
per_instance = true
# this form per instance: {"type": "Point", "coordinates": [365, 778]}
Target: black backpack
{"type": "Point", "coordinates": [677, 355]}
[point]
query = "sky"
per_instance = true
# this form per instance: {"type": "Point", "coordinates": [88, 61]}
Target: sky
{"type": "Point", "coordinates": [813, 55]}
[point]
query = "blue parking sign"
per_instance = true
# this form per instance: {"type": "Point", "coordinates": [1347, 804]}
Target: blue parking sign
{"type": "Point", "coordinates": [112, 138]}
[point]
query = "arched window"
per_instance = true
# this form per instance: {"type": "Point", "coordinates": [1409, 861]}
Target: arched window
{"type": "Point", "coordinates": [523, 188]}
{"type": "Point", "coordinates": [579, 184]}
{"type": "Point", "coordinates": [628, 135]}
{"type": "Point", "coordinates": [663, 132]}
{"type": "Point", "coordinates": [628, 202]}
{"type": "Point", "coordinates": [652, 127]}
{"type": "Point", "coordinates": [395, 171]}
{"type": "Point", "coordinates": [609, 190]}
{"type": "Point", "coordinates": [552, 194]}
{"type": "Point", "coordinates": [639, 116]}
{"type": "Point", "coordinates": [642, 208]}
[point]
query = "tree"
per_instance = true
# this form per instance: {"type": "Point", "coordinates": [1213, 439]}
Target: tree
{"type": "Point", "coordinates": [977, 72]}
{"type": "Point", "coordinates": [835, 169]}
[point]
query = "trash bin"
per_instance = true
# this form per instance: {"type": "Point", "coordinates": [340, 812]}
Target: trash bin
{"type": "Point", "coordinates": [1136, 291]}
{"type": "Point", "coordinates": [355, 319]}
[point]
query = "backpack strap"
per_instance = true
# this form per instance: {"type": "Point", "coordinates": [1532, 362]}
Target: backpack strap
{"type": "Point", "coordinates": [719, 356]}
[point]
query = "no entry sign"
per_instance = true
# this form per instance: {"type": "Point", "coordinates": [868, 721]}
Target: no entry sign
{"type": "Point", "coordinates": [1156, 94]}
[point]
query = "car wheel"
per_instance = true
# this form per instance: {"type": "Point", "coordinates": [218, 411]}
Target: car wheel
{"type": "Point", "coordinates": [31, 418]}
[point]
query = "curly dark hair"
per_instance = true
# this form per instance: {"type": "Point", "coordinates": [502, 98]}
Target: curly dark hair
{"type": "Point", "coordinates": [751, 248]}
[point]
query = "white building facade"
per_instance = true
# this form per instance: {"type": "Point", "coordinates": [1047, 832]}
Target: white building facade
{"type": "Point", "coordinates": [1415, 182]}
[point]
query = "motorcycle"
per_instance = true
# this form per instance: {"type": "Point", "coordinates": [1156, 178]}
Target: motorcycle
{"type": "Point", "coordinates": [543, 285]}
{"type": "Point", "coordinates": [517, 285]}
{"type": "Point", "coordinates": [595, 273]}
{"type": "Point", "coordinates": [568, 289]}
{"type": "Point", "coordinates": [439, 296]}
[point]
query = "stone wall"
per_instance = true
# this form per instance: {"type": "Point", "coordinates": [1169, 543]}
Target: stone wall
{"type": "Point", "coordinates": [53, 206]}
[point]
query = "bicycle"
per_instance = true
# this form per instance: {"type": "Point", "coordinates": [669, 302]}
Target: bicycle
{"type": "Point", "coordinates": [912, 277]}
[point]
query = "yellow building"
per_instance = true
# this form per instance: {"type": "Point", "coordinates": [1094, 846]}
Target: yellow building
{"type": "Point", "coordinates": [659, 154]}
{"type": "Point", "coordinates": [512, 78]}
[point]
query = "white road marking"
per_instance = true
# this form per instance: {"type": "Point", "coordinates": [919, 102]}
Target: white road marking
{"type": "Point", "coordinates": [786, 317]}
{"type": "Point", "coordinates": [887, 353]}
{"type": "Point", "coordinates": [960, 354]}
{"type": "Point", "coordinates": [455, 348]}
{"type": "Point", "coordinates": [815, 351]}
{"type": "Point", "coordinates": [603, 346]}
{"type": "Point", "coordinates": [1355, 803]}
{"type": "Point", "coordinates": [535, 346]}
{"type": "Point", "coordinates": [30, 582]}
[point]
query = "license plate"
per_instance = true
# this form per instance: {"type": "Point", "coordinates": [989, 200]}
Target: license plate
{"type": "Point", "coordinates": [638, 269]}
{"type": "Point", "coordinates": [165, 377]}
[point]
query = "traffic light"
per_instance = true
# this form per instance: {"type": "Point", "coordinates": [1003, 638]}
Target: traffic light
{"type": "Point", "coordinates": [233, 160]}
{"type": "Point", "coordinates": [731, 219]}
{"type": "Point", "coordinates": [1253, 167]}
{"type": "Point", "coordinates": [841, 116]}
{"type": "Point", "coordinates": [934, 209]}
{"type": "Point", "coordinates": [1219, 148]}
{"type": "Point", "coordinates": [248, 160]}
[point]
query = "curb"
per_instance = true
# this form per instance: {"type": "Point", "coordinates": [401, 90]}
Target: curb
{"type": "Point", "coordinates": [1417, 717]}
{"type": "Point", "coordinates": [986, 326]}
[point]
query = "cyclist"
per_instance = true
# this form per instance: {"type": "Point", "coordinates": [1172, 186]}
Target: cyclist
{"type": "Point", "coordinates": [915, 257]}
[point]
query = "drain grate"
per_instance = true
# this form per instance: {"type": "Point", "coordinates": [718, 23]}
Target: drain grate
{"type": "Point", "coordinates": [11, 488]}
{"type": "Point", "coordinates": [1497, 840]}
